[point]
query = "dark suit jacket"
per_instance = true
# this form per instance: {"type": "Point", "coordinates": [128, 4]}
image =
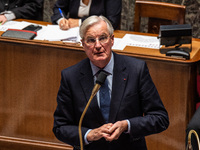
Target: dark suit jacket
{"type": "Point", "coordinates": [25, 9]}
{"type": "Point", "coordinates": [194, 124]}
{"type": "Point", "coordinates": [134, 97]}
{"type": "Point", "coordinates": [111, 9]}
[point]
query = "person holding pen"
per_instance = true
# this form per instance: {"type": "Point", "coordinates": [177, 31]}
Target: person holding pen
{"type": "Point", "coordinates": [68, 14]}
{"type": "Point", "coordinates": [26, 9]}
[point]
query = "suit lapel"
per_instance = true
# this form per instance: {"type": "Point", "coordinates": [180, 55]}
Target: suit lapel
{"type": "Point", "coordinates": [87, 84]}
{"type": "Point", "coordinates": [120, 77]}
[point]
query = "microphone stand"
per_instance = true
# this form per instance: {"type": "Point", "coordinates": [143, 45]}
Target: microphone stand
{"type": "Point", "coordinates": [189, 146]}
{"type": "Point", "coordinates": [100, 80]}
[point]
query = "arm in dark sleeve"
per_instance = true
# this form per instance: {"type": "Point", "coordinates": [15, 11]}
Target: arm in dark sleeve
{"type": "Point", "coordinates": [64, 6]}
{"type": "Point", "coordinates": [113, 12]}
{"type": "Point", "coordinates": [65, 121]}
{"type": "Point", "coordinates": [155, 117]}
{"type": "Point", "coordinates": [111, 9]}
{"type": "Point", "coordinates": [194, 124]}
{"type": "Point", "coordinates": [28, 9]}
{"type": "Point", "coordinates": [195, 121]}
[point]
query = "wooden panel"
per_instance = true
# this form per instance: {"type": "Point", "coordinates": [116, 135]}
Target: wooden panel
{"type": "Point", "coordinates": [158, 13]}
{"type": "Point", "coordinates": [176, 86]}
{"type": "Point", "coordinates": [10, 143]}
{"type": "Point", "coordinates": [30, 78]}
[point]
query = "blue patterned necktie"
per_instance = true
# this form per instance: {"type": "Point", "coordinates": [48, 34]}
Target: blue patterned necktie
{"type": "Point", "coordinates": [105, 100]}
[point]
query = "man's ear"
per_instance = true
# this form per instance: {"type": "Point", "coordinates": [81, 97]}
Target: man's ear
{"type": "Point", "coordinates": [112, 38]}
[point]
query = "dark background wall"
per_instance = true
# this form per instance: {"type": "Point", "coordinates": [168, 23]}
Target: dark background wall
{"type": "Point", "coordinates": [127, 16]}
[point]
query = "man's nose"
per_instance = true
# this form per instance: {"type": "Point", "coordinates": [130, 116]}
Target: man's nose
{"type": "Point", "coordinates": [97, 43]}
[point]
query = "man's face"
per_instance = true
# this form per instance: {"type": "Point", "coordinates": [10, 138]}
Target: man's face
{"type": "Point", "coordinates": [97, 44]}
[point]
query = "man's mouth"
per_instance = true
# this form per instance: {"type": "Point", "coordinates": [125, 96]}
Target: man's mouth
{"type": "Point", "coordinates": [99, 53]}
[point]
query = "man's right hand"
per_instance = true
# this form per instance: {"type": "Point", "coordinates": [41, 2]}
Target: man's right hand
{"type": "Point", "coordinates": [98, 133]}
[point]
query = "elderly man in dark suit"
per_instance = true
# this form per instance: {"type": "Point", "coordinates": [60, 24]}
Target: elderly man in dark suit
{"type": "Point", "coordinates": [25, 9]}
{"type": "Point", "coordinates": [133, 108]}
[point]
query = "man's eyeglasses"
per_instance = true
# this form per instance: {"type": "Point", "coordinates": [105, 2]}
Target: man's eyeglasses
{"type": "Point", "coordinates": [91, 41]}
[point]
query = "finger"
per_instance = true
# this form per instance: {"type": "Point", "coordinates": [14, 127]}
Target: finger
{"type": "Point", "coordinates": [4, 21]}
{"type": "Point", "coordinates": [114, 136]}
{"type": "Point", "coordinates": [61, 23]}
{"type": "Point", "coordinates": [64, 25]}
{"type": "Point", "coordinates": [106, 128]}
{"type": "Point", "coordinates": [113, 128]}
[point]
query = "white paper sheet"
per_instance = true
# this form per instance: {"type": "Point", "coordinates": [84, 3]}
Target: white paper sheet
{"type": "Point", "coordinates": [141, 41]}
{"type": "Point", "coordinates": [117, 44]}
{"type": "Point", "coordinates": [14, 25]}
{"type": "Point", "coordinates": [54, 33]}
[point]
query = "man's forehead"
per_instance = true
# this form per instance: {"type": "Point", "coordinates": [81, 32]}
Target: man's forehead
{"type": "Point", "coordinates": [96, 35]}
{"type": "Point", "coordinates": [97, 29]}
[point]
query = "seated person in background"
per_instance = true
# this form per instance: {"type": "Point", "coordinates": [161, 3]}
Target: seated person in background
{"type": "Point", "coordinates": [117, 121]}
{"type": "Point", "coordinates": [78, 10]}
{"type": "Point", "coordinates": [194, 124]}
{"type": "Point", "coordinates": [23, 9]}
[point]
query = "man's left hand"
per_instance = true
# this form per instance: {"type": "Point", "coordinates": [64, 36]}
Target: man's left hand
{"type": "Point", "coordinates": [116, 130]}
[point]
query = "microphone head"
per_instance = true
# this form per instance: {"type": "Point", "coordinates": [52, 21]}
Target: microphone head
{"type": "Point", "coordinates": [101, 77]}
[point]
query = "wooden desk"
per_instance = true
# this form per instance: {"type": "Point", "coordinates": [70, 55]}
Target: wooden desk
{"type": "Point", "coordinates": [30, 78]}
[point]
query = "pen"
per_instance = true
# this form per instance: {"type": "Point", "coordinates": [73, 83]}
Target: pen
{"type": "Point", "coordinates": [61, 13]}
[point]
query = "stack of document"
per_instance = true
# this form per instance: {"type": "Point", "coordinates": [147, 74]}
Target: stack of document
{"type": "Point", "coordinates": [54, 33]}
{"type": "Point", "coordinates": [137, 41]}
{"type": "Point", "coordinates": [14, 25]}
{"type": "Point", "coordinates": [49, 32]}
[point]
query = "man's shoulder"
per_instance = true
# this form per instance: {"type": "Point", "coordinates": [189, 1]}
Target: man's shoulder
{"type": "Point", "coordinates": [128, 59]}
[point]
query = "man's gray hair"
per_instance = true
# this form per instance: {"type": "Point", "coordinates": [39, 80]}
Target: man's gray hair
{"type": "Point", "coordinates": [93, 20]}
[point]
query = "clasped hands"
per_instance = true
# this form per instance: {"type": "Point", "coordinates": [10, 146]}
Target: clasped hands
{"type": "Point", "coordinates": [65, 24]}
{"type": "Point", "coordinates": [108, 131]}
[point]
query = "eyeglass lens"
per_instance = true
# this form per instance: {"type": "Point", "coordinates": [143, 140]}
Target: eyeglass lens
{"type": "Point", "coordinates": [92, 40]}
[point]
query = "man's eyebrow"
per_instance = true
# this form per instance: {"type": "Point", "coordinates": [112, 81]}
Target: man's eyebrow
{"type": "Point", "coordinates": [104, 34]}
{"type": "Point", "coordinates": [90, 36]}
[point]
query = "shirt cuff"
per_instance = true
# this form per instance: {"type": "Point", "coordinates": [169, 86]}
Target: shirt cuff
{"type": "Point", "coordinates": [9, 15]}
{"type": "Point", "coordinates": [79, 23]}
{"type": "Point", "coordinates": [129, 126]}
{"type": "Point", "coordinates": [85, 137]}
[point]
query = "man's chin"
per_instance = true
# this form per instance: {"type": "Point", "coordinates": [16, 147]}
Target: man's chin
{"type": "Point", "coordinates": [100, 58]}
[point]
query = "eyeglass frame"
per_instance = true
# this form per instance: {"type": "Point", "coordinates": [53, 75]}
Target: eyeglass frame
{"type": "Point", "coordinates": [97, 38]}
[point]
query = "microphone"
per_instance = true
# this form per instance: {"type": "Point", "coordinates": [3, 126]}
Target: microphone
{"type": "Point", "coordinates": [100, 80]}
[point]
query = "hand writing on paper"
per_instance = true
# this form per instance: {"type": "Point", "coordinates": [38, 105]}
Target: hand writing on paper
{"type": "Point", "coordinates": [3, 19]}
{"type": "Point", "coordinates": [64, 24]}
